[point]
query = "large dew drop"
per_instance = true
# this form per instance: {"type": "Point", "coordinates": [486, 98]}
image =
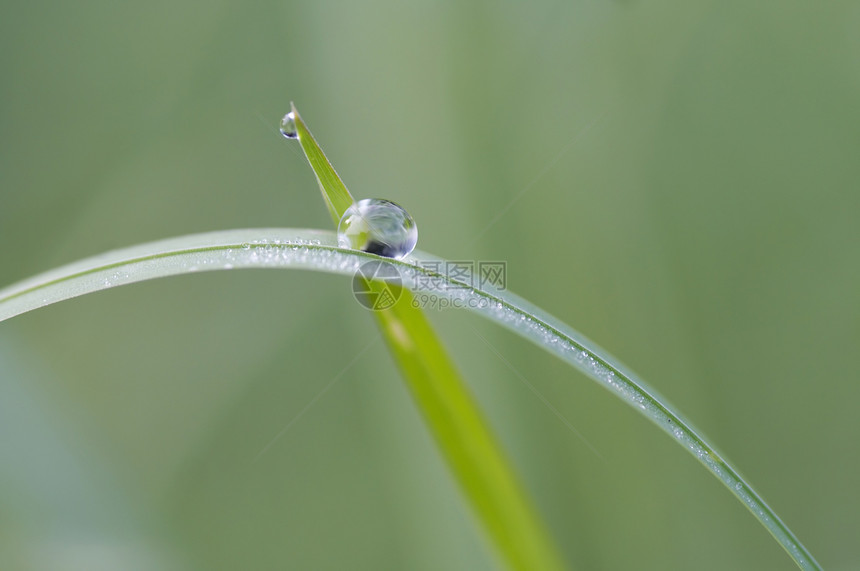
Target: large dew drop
{"type": "Point", "coordinates": [288, 126]}
{"type": "Point", "coordinates": [378, 227]}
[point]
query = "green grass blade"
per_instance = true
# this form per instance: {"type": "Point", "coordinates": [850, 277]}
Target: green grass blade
{"type": "Point", "coordinates": [477, 462]}
{"type": "Point", "coordinates": [466, 442]}
{"type": "Point", "coordinates": [222, 250]}
{"type": "Point", "coordinates": [337, 198]}
{"type": "Point", "coordinates": [317, 250]}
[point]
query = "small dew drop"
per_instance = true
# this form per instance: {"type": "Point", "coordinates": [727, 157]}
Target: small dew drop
{"type": "Point", "coordinates": [288, 126]}
{"type": "Point", "coordinates": [378, 227]}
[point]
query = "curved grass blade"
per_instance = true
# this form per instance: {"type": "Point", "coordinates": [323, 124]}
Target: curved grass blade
{"type": "Point", "coordinates": [316, 250]}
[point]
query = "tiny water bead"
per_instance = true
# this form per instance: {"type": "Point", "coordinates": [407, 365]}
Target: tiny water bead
{"type": "Point", "coordinates": [288, 126]}
{"type": "Point", "coordinates": [378, 227]}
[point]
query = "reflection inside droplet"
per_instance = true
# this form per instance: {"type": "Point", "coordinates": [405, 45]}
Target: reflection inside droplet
{"type": "Point", "coordinates": [378, 227]}
{"type": "Point", "coordinates": [288, 126]}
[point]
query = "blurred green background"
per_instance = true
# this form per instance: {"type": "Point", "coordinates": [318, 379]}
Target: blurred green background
{"type": "Point", "coordinates": [677, 180]}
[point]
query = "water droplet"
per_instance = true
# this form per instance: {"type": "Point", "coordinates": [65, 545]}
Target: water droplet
{"type": "Point", "coordinates": [379, 227]}
{"type": "Point", "coordinates": [288, 126]}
